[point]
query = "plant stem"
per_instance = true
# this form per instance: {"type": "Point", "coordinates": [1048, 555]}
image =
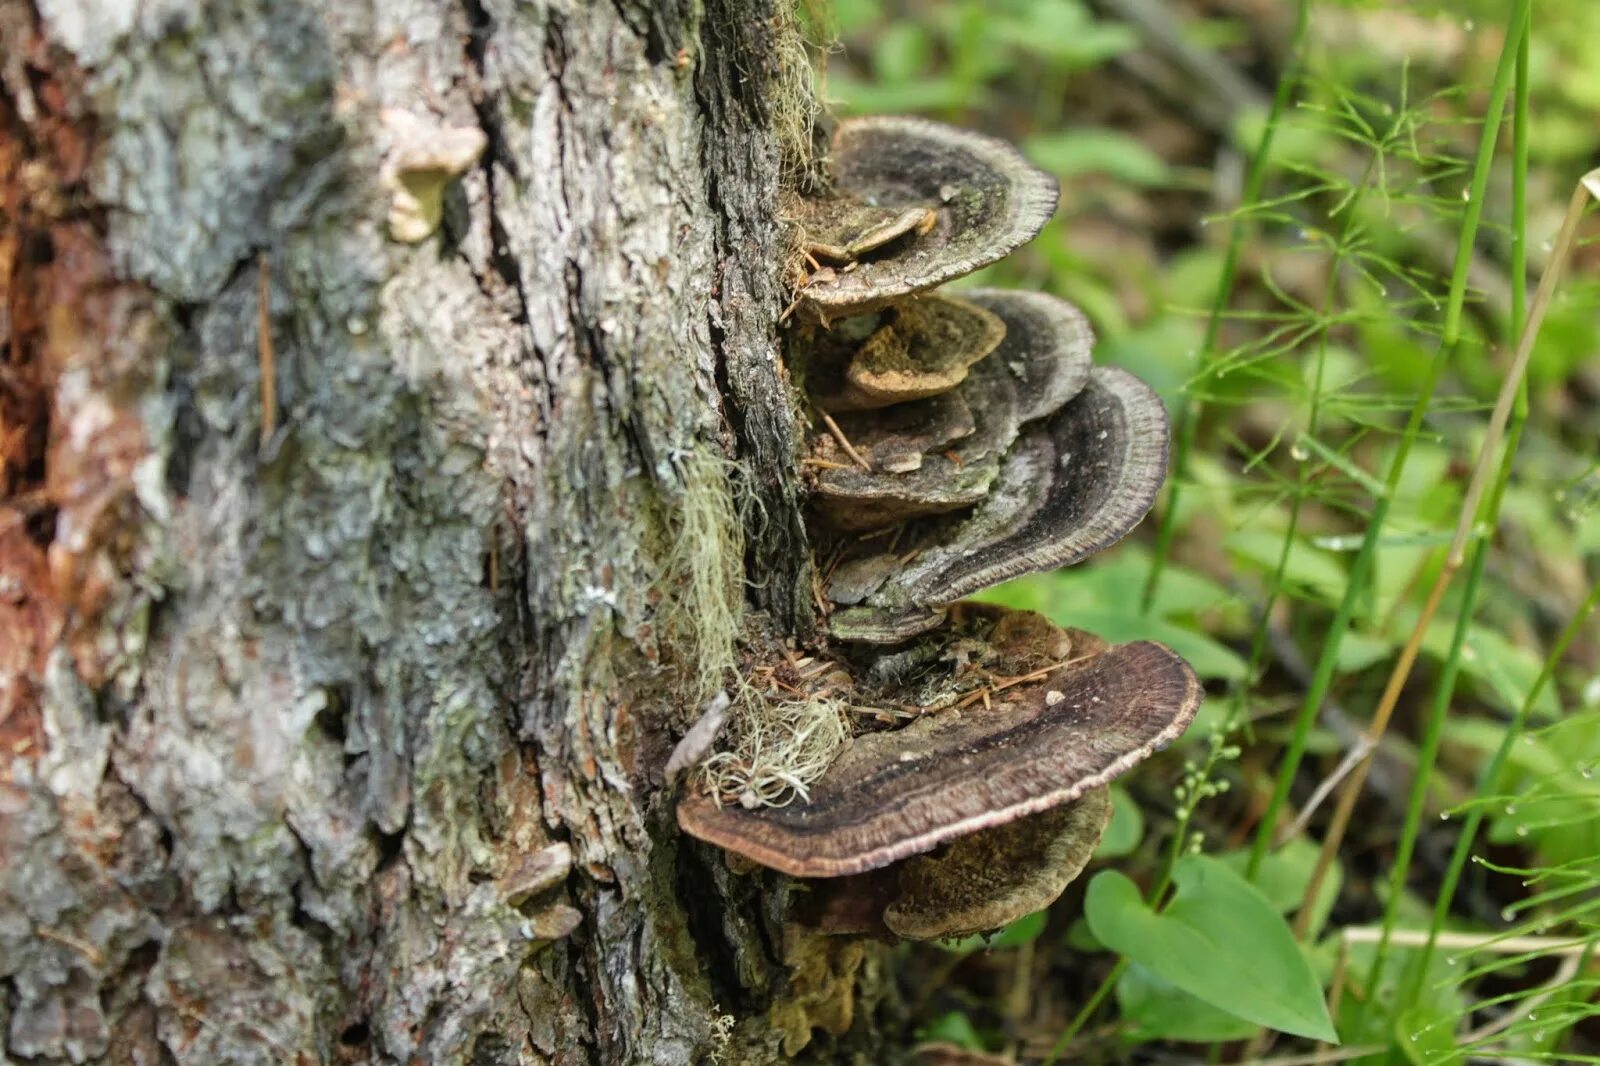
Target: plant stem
{"type": "Point", "coordinates": [1189, 414]}
{"type": "Point", "coordinates": [1323, 676]}
{"type": "Point", "coordinates": [1445, 686]}
{"type": "Point", "coordinates": [1082, 1018]}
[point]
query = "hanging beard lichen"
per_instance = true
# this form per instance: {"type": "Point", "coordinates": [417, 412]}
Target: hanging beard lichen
{"type": "Point", "coordinates": [702, 586]}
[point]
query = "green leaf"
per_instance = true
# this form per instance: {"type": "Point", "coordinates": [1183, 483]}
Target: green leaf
{"type": "Point", "coordinates": [1209, 658]}
{"type": "Point", "coordinates": [1220, 940]}
{"type": "Point", "coordinates": [1126, 828]}
{"type": "Point", "coordinates": [1285, 874]}
{"type": "Point", "coordinates": [1306, 566]}
{"type": "Point", "coordinates": [953, 1028]}
{"type": "Point", "coordinates": [1159, 1010]}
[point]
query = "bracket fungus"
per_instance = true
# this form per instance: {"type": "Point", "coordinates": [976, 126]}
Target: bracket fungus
{"type": "Point", "coordinates": [990, 879]}
{"type": "Point", "coordinates": [986, 200]}
{"type": "Point", "coordinates": [974, 441]}
{"type": "Point", "coordinates": [897, 793]}
{"type": "Point", "coordinates": [1072, 486]}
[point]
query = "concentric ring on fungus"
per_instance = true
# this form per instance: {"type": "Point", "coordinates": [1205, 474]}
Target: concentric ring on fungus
{"type": "Point", "coordinates": [894, 794]}
{"type": "Point", "coordinates": [987, 198]}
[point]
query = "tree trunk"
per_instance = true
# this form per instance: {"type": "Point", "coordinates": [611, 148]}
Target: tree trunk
{"type": "Point", "coordinates": [381, 387]}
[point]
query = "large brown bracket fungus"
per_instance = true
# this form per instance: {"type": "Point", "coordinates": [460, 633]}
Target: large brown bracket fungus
{"type": "Point", "coordinates": [975, 813]}
{"type": "Point", "coordinates": [902, 792]}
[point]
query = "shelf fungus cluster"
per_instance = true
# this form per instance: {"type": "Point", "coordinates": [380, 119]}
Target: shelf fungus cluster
{"type": "Point", "coordinates": [958, 441]}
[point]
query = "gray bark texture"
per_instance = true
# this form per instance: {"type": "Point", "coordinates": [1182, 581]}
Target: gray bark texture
{"type": "Point", "coordinates": [337, 570]}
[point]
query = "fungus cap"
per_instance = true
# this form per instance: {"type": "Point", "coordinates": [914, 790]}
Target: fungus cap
{"type": "Point", "coordinates": [919, 349]}
{"type": "Point", "coordinates": [1106, 452]}
{"type": "Point", "coordinates": [1074, 484]}
{"type": "Point", "coordinates": [1047, 347]}
{"type": "Point", "coordinates": [895, 794]}
{"type": "Point", "coordinates": [988, 199]}
{"type": "Point", "coordinates": [991, 878]}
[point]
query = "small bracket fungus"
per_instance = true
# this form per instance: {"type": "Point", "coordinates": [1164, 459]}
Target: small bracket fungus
{"type": "Point", "coordinates": [989, 879]}
{"type": "Point", "coordinates": [1074, 485]}
{"type": "Point", "coordinates": [960, 476]}
{"type": "Point", "coordinates": [893, 794]}
{"type": "Point", "coordinates": [986, 201]}
{"type": "Point", "coordinates": [924, 348]}
{"type": "Point", "coordinates": [421, 159]}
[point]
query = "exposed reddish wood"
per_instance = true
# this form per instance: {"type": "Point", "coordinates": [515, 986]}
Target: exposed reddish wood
{"type": "Point", "coordinates": [66, 456]}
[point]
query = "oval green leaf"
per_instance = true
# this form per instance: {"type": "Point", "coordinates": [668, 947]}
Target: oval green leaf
{"type": "Point", "coordinates": [1220, 940]}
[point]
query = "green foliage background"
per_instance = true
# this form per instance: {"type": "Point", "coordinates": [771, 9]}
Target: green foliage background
{"type": "Point", "coordinates": [1329, 320]}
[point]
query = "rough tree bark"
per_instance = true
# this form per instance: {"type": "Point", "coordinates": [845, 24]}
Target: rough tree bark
{"type": "Point", "coordinates": [333, 568]}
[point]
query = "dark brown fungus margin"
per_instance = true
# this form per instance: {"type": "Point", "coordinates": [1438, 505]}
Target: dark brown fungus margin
{"type": "Point", "coordinates": [1047, 347]}
{"type": "Point", "coordinates": [1074, 485]}
{"type": "Point", "coordinates": [896, 794]}
{"type": "Point", "coordinates": [989, 879]}
{"type": "Point", "coordinates": [989, 201]}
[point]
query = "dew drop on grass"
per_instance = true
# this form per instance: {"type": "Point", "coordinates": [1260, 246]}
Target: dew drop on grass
{"type": "Point", "coordinates": [1453, 960]}
{"type": "Point", "coordinates": [1507, 913]}
{"type": "Point", "coordinates": [1522, 830]}
{"type": "Point", "coordinates": [1298, 452]}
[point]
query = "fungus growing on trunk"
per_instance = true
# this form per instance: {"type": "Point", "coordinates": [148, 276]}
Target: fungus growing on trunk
{"type": "Point", "coordinates": [951, 772]}
{"type": "Point", "coordinates": [1073, 485]}
{"type": "Point", "coordinates": [973, 442]}
{"type": "Point", "coordinates": [986, 199]}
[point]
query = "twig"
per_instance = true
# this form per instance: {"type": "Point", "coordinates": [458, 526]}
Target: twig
{"type": "Point", "coordinates": [1588, 186]}
{"type": "Point", "coordinates": [844, 442]}
{"type": "Point", "coordinates": [266, 357]}
{"type": "Point", "coordinates": [1543, 994]}
{"type": "Point", "coordinates": [1490, 942]}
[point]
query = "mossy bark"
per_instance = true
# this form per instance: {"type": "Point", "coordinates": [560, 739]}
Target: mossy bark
{"type": "Point", "coordinates": [332, 564]}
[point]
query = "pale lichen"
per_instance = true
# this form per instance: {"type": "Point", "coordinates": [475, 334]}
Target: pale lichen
{"type": "Point", "coordinates": [776, 749]}
{"type": "Point", "coordinates": [701, 609]}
